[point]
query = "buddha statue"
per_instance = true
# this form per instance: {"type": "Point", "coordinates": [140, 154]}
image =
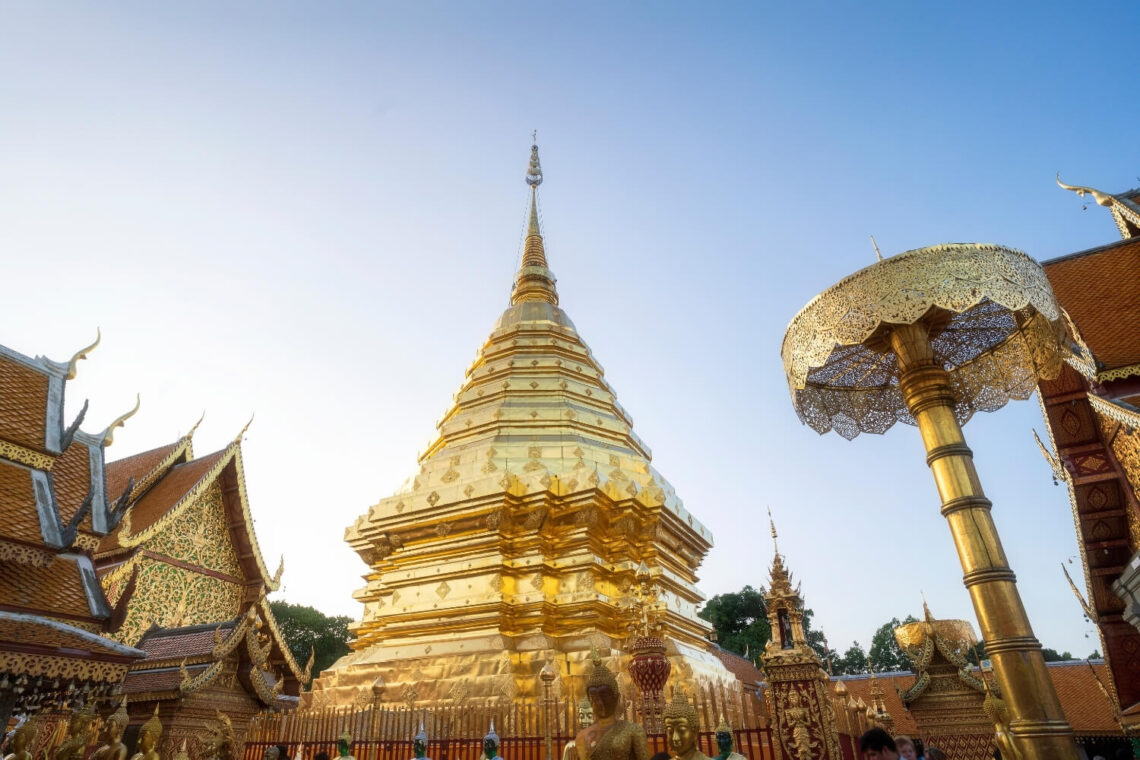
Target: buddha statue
{"type": "Point", "coordinates": [420, 743]}
{"type": "Point", "coordinates": [491, 744]}
{"type": "Point", "coordinates": [21, 737]}
{"type": "Point", "coordinates": [585, 720]}
{"type": "Point", "coordinates": [608, 738]}
{"type": "Point", "coordinates": [726, 742]}
{"type": "Point", "coordinates": [149, 736]}
{"type": "Point", "coordinates": [343, 746]}
{"type": "Point", "coordinates": [682, 729]}
{"type": "Point", "coordinates": [74, 746]}
{"type": "Point", "coordinates": [113, 747]}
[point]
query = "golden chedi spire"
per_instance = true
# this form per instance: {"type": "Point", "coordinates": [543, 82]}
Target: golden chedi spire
{"type": "Point", "coordinates": [534, 281]}
{"type": "Point", "coordinates": [526, 518]}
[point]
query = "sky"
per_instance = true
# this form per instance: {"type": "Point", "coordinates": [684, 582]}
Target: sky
{"type": "Point", "coordinates": [313, 212]}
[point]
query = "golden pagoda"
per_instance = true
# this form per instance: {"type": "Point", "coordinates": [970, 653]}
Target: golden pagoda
{"type": "Point", "coordinates": [518, 539]}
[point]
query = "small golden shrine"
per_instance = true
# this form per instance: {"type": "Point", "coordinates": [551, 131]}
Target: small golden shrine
{"type": "Point", "coordinates": [518, 538]}
{"type": "Point", "coordinates": [799, 689]}
{"type": "Point", "coordinates": [947, 696]}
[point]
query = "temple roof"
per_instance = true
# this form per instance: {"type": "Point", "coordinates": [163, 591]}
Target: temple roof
{"type": "Point", "coordinates": [1098, 289]}
{"type": "Point", "coordinates": [1088, 710]}
{"type": "Point", "coordinates": [1125, 206]}
{"type": "Point", "coordinates": [168, 485]}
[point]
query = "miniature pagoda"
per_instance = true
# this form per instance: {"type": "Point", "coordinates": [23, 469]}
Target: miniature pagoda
{"type": "Point", "coordinates": [518, 538]}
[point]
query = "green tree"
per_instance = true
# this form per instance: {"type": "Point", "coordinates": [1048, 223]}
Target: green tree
{"type": "Point", "coordinates": [739, 621]}
{"type": "Point", "coordinates": [305, 627]}
{"type": "Point", "coordinates": [853, 661]}
{"type": "Point", "coordinates": [885, 652]}
{"type": "Point", "coordinates": [817, 641]}
{"type": "Point", "coordinates": [1052, 655]}
{"type": "Point", "coordinates": [1096, 655]}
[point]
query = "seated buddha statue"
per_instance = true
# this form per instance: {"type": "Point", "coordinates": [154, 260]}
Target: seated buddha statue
{"type": "Point", "coordinates": [726, 742]}
{"type": "Point", "coordinates": [149, 736]}
{"type": "Point", "coordinates": [608, 738]}
{"type": "Point", "coordinates": [343, 746]}
{"type": "Point", "coordinates": [113, 747]}
{"type": "Point", "coordinates": [491, 744]}
{"type": "Point", "coordinates": [18, 743]}
{"type": "Point", "coordinates": [682, 729]}
{"type": "Point", "coordinates": [74, 745]}
{"type": "Point", "coordinates": [420, 743]}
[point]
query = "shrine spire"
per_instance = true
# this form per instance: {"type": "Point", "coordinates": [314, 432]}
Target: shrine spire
{"type": "Point", "coordinates": [534, 281]}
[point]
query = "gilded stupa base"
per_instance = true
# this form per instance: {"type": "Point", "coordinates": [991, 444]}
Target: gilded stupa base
{"type": "Point", "coordinates": [494, 667]}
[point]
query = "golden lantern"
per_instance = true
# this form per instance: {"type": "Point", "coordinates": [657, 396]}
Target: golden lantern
{"type": "Point", "coordinates": [928, 337]}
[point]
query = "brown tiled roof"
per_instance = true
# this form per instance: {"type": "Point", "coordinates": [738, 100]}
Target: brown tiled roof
{"type": "Point", "coordinates": [176, 643]}
{"type": "Point", "coordinates": [859, 687]}
{"type": "Point", "coordinates": [55, 590]}
{"type": "Point", "coordinates": [1085, 705]}
{"type": "Point", "coordinates": [23, 404]}
{"type": "Point", "coordinates": [166, 679]}
{"type": "Point", "coordinates": [138, 467]}
{"type": "Point", "coordinates": [740, 667]}
{"type": "Point", "coordinates": [1087, 708]}
{"type": "Point", "coordinates": [18, 516]}
{"type": "Point", "coordinates": [56, 634]}
{"type": "Point", "coordinates": [1099, 290]}
{"type": "Point", "coordinates": [71, 479]}
{"type": "Point", "coordinates": [167, 492]}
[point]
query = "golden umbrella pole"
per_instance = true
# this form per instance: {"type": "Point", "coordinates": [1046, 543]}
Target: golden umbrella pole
{"type": "Point", "coordinates": [1010, 644]}
{"type": "Point", "coordinates": [928, 337]}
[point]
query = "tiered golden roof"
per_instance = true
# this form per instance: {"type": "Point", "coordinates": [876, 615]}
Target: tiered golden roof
{"type": "Point", "coordinates": [526, 521]}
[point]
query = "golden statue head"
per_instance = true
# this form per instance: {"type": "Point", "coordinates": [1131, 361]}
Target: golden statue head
{"type": "Point", "coordinates": [117, 723]}
{"type": "Point", "coordinates": [682, 725]}
{"type": "Point", "coordinates": [150, 733]}
{"type": "Point", "coordinates": [585, 714]}
{"type": "Point", "coordinates": [22, 737]}
{"type": "Point", "coordinates": [602, 688]}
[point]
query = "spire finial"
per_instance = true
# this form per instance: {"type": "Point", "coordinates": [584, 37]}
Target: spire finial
{"type": "Point", "coordinates": [534, 281]}
{"type": "Point", "coordinates": [772, 523]}
{"type": "Point", "coordinates": [926, 614]}
{"type": "Point", "coordinates": [877, 251]}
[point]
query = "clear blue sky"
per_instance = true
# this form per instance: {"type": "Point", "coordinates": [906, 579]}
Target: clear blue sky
{"type": "Point", "coordinates": [313, 211]}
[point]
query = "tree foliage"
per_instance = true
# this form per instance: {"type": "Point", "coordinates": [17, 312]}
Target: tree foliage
{"type": "Point", "coordinates": [305, 627]}
{"type": "Point", "coordinates": [739, 621]}
{"type": "Point", "coordinates": [885, 653]}
{"type": "Point", "coordinates": [1052, 655]}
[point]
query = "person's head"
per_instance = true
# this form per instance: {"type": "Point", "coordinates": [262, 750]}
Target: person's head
{"type": "Point", "coordinates": [602, 690]}
{"type": "Point", "coordinates": [682, 725]}
{"type": "Point", "coordinates": [321, 756]}
{"type": "Point", "coordinates": [933, 753]}
{"type": "Point", "coordinates": [877, 744]}
{"type": "Point", "coordinates": [272, 752]}
{"type": "Point", "coordinates": [905, 747]}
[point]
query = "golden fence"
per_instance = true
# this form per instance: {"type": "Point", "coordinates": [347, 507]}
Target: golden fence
{"type": "Point", "coordinates": [384, 732]}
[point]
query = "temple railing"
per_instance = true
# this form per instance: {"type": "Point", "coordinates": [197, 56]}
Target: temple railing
{"type": "Point", "coordinates": [384, 732]}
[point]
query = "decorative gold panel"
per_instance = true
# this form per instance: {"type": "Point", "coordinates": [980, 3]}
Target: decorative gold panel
{"type": "Point", "coordinates": [199, 535]}
{"type": "Point", "coordinates": [170, 597]}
